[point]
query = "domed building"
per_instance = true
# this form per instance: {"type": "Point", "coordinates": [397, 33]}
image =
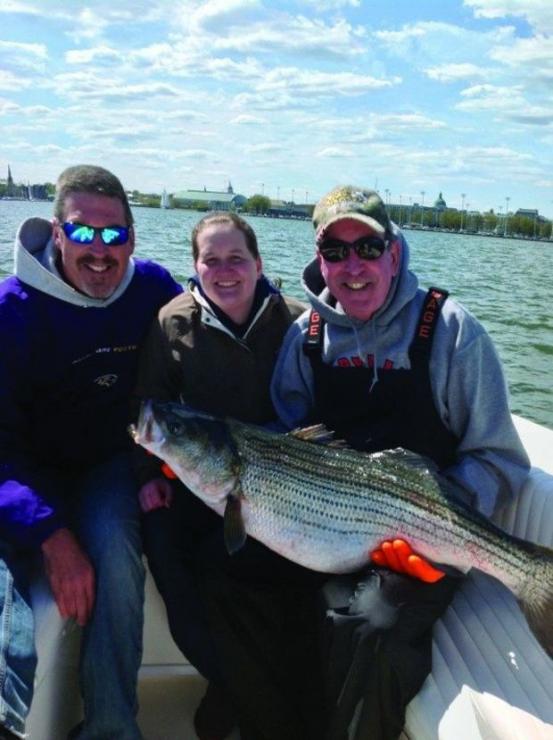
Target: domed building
{"type": "Point", "coordinates": [439, 203]}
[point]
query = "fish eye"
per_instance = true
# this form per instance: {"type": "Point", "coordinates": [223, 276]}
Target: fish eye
{"type": "Point", "coordinates": [175, 427]}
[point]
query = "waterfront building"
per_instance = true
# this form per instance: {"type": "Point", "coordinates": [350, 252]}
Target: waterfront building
{"type": "Point", "coordinates": [212, 200]}
{"type": "Point", "coordinates": [288, 209]}
{"type": "Point", "coordinates": [527, 213]}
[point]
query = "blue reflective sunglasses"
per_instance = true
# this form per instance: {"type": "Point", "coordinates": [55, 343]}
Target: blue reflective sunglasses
{"type": "Point", "coordinates": [366, 248]}
{"type": "Point", "coordinates": [112, 236]}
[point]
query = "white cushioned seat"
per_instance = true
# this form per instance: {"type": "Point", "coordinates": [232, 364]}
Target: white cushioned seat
{"type": "Point", "coordinates": [490, 678]}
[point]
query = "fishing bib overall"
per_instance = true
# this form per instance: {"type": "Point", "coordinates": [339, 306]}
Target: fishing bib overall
{"type": "Point", "coordinates": [371, 673]}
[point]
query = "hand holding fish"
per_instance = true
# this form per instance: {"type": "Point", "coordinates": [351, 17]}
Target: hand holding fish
{"type": "Point", "coordinates": [168, 472]}
{"type": "Point", "coordinates": [398, 556]}
{"type": "Point", "coordinates": [155, 494]}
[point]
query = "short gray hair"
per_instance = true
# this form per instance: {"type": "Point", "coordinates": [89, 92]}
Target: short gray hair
{"type": "Point", "coordinates": [88, 178]}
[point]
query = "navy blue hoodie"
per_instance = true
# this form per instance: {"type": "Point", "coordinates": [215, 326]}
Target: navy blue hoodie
{"type": "Point", "coordinates": [67, 371]}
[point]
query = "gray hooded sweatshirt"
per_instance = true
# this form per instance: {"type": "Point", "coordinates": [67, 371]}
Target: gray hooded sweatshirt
{"type": "Point", "coordinates": [468, 385]}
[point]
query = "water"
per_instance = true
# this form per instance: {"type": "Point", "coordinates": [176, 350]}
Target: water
{"type": "Point", "coordinates": [506, 284]}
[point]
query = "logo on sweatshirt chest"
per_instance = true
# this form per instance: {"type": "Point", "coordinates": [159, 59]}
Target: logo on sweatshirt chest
{"type": "Point", "coordinates": [356, 361]}
{"type": "Point", "coordinates": [107, 380]}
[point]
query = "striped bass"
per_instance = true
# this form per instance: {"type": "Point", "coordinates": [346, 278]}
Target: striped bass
{"type": "Point", "coordinates": [327, 507]}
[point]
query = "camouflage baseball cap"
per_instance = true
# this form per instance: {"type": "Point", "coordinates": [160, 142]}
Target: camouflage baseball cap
{"type": "Point", "coordinates": [347, 201]}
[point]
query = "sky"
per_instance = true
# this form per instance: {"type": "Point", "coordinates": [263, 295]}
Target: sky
{"type": "Point", "coordinates": [288, 99]}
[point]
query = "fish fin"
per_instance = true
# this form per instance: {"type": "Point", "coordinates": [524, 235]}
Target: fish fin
{"type": "Point", "coordinates": [319, 434]}
{"type": "Point", "coordinates": [406, 457]}
{"type": "Point", "coordinates": [233, 524]}
{"type": "Point", "coordinates": [536, 598]}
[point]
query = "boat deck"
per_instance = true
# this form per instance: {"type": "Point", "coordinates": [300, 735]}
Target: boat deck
{"type": "Point", "coordinates": [167, 704]}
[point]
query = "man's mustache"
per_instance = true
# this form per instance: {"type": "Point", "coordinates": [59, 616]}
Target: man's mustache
{"type": "Point", "coordinates": [89, 259]}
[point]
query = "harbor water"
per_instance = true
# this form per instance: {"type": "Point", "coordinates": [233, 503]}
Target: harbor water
{"type": "Point", "coordinates": [506, 283]}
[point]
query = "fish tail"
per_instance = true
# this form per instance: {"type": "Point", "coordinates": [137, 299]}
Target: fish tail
{"type": "Point", "coordinates": [536, 598]}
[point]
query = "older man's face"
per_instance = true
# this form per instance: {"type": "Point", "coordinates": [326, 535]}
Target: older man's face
{"type": "Point", "coordinates": [94, 269]}
{"type": "Point", "coordinates": [360, 286]}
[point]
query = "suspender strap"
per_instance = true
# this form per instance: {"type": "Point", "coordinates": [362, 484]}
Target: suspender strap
{"type": "Point", "coordinates": [314, 339]}
{"type": "Point", "coordinates": [432, 306]}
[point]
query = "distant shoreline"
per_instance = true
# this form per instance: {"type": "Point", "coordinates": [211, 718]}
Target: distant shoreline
{"type": "Point", "coordinates": [405, 227]}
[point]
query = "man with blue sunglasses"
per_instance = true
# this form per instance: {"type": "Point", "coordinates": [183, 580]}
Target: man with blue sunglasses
{"type": "Point", "coordinates": [71, 320]}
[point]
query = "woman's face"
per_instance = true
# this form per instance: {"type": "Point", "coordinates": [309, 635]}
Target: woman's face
{"type": "Point", "coordinates": [227, 270]}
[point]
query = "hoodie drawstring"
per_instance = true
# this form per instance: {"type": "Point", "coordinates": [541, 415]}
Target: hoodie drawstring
{"type": "Point", "coordinates": [375, 354]}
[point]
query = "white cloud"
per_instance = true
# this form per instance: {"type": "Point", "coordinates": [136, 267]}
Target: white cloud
{"type": "Point", "coordinates": [492, 98]}
{"type": "Point", "coordinates": [539, 13]}
{"type": "Point", "coordinates": [195, 154]}
{"type": "Point", "coordinates": [12, 6]}
{"type": "Point", "coordinates": [88, 84]}
{"type": "Point", "coordinates": [322, 5]}
{"type": "Point", "coordinates": [7, 107]}
{"type": "Point", "coordinates": [262, 101]}
{"type": "Point", "coordinates": [248, 120]}
{"type": "Point", "coordinates": [312, 82]}
{"type": "Point", "coordinates": [298, 35]}
{"type": "Point", "coordinates": [98, 54]}
{"type": "Point", "coordinates": [11, 48]}
{"type": "Point", "coordinates": [401, 121]}
{"type": "Point", "coordinates": [456, 72]}
{"type": "Point", "coordinates": [414, 32]}
{"type": "Point", "coordinates": [264, 148]}
{"type": "Point", "coordinates": [178, 115]}
{"type": "Point", "coordinates": [10, 81]}
{"type": "Point", "coordinates": [434, 44]}
{"type": "Point", "coordinates": [533, 116]}
{"type": "Point", "coordinates": [528, 55]}
{"type": "Point", "coordinates": [217, 16]}
{"type": "Point", "coordinates": [335, 152]}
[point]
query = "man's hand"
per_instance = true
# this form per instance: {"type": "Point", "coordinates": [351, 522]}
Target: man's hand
{"type": "Point", "coordinates": [155, 494]}
{"type": "Point", "coordinates": [399, 556]}
{"type": "Point", "coordinates": [71, 575]}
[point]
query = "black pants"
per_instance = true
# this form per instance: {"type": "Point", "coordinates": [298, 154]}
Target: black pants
{"type": "Point", "coordinates": [263, 612]}
{"type": "Point", "coordinates": [304, 667]}
{"type": "Point", "coordinates": [172, 539]}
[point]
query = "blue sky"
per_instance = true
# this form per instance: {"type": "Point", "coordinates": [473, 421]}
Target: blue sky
{"type": "Point", "coordinates": [286, 98]}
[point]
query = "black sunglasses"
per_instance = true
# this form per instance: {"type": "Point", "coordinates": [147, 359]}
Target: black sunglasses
{"type": "Point", "coordinates": [112, 236]}
{"type": "Point", "coordinates": [366, 248]}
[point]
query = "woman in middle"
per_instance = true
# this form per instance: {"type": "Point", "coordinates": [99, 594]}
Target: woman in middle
{"type": "Point", "coordinates": [213, 347]}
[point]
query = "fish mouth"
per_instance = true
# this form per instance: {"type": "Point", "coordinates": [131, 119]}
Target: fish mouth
{"type": "Point", "coordinates": [147, 432]}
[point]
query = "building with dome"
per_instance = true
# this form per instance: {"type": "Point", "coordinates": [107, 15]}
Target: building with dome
{"type": "Point", "coordinates": [440, 204]}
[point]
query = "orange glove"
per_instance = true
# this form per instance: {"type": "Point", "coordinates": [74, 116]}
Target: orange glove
{"type": "Point", "coordinates": [399, 556]}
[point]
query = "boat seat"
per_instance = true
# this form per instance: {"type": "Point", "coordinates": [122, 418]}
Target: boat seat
{"type": "Point", "coordinates": [490, 679]}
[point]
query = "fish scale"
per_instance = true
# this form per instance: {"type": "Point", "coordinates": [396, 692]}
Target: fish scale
{"type": "Point", "coordinates": [327, 507]}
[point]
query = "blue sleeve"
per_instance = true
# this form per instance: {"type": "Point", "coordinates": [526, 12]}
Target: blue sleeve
{"type": "Point", "coordinates": [292, 382]}
{"type": "Point", "coordinates": [26, 516]}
